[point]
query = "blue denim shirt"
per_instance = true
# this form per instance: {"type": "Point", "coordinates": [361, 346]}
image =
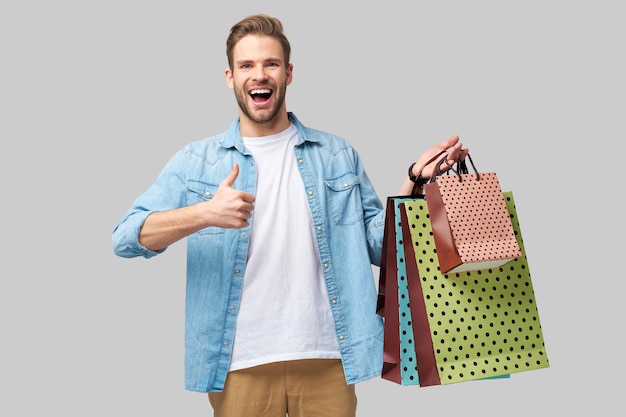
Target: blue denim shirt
{"type": "Point", "coordinates": [348, 218]}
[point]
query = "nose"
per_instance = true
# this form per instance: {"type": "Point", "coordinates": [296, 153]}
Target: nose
{"type": "Point", "coordinates": [260, 73]}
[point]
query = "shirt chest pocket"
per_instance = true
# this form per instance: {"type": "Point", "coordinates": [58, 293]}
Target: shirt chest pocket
{"type": "Point", "coordinates": [344, 199]}
{"type": "Point", "coordinates": [197, 192]}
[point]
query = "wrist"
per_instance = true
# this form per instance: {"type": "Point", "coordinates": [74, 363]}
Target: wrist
{"type": "Point", "coordinates": [416, 179]}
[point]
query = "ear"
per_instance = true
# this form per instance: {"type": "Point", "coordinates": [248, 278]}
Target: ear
{"type": "Point", "coordinates": [229, 77]}
{"type": "Point", "coordinates": [289, 73]}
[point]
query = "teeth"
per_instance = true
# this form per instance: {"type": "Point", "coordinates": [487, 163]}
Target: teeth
{"type": "Point", "coordinates": [260, 91]}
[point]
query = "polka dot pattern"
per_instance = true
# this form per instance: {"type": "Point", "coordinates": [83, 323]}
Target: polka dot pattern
{"type": "Point", "coordinates": [478, 217]}
{"type": "Point", "coordinates": [408, 361]}
{"type": "Point", "coordinates": [483, 323]}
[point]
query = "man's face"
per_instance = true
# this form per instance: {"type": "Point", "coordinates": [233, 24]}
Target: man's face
{"type": "Point", "coordinates": [259, 78]}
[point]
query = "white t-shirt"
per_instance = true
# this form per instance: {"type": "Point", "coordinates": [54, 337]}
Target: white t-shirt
{"type": "Point", "coordinates": [284, 312]}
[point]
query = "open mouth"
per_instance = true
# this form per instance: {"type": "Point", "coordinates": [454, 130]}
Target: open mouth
{"type": "Point", "coordinates": [260, 95]}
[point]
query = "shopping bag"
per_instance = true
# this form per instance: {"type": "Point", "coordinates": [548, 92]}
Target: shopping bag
{"type": "Point", "coordinates": [387, 299]}
{"type": "Point", "coordinates": [399, 365]}
{"type": "Point", "coordinates": [471, 225]}
{"type": "Point", "coordinates": [420, 346]}
{"type": "Point", "coordinates": [481, 323]}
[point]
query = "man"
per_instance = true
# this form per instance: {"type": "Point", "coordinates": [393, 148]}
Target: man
{"type": "Point", "coordinates": [282, 226]}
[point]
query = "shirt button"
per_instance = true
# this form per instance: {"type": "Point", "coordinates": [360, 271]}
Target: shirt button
{"type": "Point", "coordinates": [341, 337]}
{"type": "Point", "coordinates": [231, 308]}
{"type": "Point", "coordinates": [208, 193]}
{"type": "Point", "coordinates": [225, 345]}
{"type": "Point", "coordinates": [334, 301]}
{"type": "Point", "coordinates": [345, 184]}
{"type": "Point", "coordinates": [319, 228]}
{"type": "Point", "coordinates": [325, 265]}
{"type": "Point", "coordinates": [237, 271]}
{"type": "Point", "coordinates": [310, 192]}
{"type": "Point", "coordinates": [301, 161]}
{"type": "Point", "coordinates": [243, 234]}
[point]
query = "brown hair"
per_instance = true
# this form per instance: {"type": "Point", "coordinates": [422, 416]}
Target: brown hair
{"type": "Point", "coordinates": [259, 24]}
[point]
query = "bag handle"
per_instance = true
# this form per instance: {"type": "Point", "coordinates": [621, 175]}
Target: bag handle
{"type": "Point", "coordinates": [461, 168]}
{"type": "Point", "coordinates": [415, 178]}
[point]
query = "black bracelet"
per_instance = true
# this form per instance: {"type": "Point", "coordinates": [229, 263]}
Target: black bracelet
{"type": "Point", "coordinates": [419, 182]}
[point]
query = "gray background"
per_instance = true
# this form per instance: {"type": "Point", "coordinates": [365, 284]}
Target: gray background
{"type": "Point", "coordinates": [96, 96]}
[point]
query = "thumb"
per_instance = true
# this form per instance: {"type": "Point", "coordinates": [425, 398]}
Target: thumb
{"type": "Point", "coordinates": [232, 176]}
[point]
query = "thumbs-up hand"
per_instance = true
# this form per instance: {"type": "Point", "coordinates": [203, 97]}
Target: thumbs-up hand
{"type": "Point", "coordinates": [231, 208]}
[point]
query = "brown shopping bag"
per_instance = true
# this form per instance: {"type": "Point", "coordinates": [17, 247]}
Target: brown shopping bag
{"type": "Point", "coordinates": [480, 323]}
{"type": "Point", "coordinates": [401, 303]}
{"type": "Point", "coordinates": [399, 363]}
{"type": "Point", "coordinates": [470, 221]}
{"type": "Point", "coordinates": [388, 299]}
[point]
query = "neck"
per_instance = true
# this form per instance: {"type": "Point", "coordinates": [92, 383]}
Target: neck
{"type": "Point", "coordinates": [250, 128]}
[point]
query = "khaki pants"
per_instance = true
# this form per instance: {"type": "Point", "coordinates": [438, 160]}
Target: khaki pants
{"type": "Point", "coordinates": [302, 388]}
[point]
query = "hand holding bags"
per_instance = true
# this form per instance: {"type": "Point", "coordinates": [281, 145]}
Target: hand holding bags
{"type": "Point", "coordinates": [443, 328]}
{"type": "Point", "coordinates": [471, 224]}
